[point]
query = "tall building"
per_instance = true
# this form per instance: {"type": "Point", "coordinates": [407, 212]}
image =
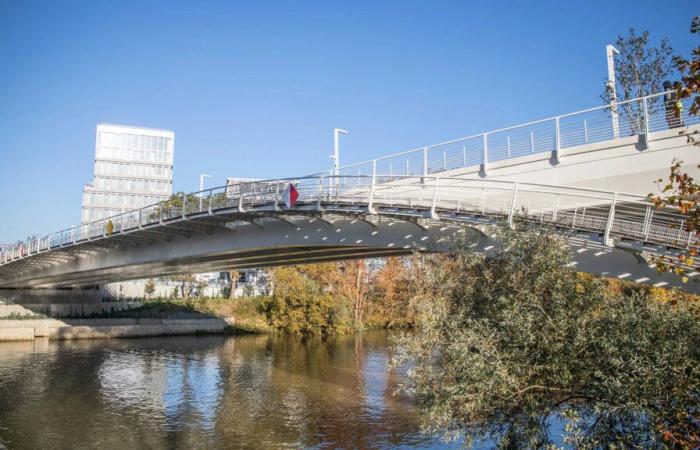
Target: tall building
{"type": "Point", "coordinates": [133, 168]}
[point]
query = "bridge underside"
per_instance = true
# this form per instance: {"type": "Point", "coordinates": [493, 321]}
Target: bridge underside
{"type": "Point", "coordinates": [243, 240]}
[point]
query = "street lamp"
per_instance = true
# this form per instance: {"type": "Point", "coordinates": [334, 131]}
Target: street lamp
{"type": "Point", "coordinates": [201, 187]}
{"type": "Point", "coordinates": [336, 154]}
{"type": "Point", "coordinates": [611, 52]}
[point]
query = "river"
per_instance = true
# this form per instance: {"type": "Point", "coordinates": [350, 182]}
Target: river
{"type": "Point", "coordinates": [206, 392]}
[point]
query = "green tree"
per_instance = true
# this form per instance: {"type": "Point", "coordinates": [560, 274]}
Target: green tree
{"type": "Point", "coordinates": [505, 343]}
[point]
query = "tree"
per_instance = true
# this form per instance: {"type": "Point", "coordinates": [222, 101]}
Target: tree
{"type": "Point", "coordinates": [681, 190]}
{"type": "Point", "coordinates": [505, 343]}
{"type": "Point", "coordinates": [351, 280]}
{"type": "Point", "coordinates": [391, 292]}
{"type": "Point", "coordinates": [149, 288]}
{"type": "Point", "coordinates": [234, 275]}
{"type": "Point", "coordinates": [186, 282]}
{"type": "Point", "coordinates": [640, 70]}
{"type": "Point", "coordinates": [303, 301]}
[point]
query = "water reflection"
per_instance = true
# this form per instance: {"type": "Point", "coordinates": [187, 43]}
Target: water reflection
{"type": "Point", "coordinates": [205, 392]}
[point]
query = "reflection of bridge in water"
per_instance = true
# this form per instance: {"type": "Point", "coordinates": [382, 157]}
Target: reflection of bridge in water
{"type": "Point", "coordinates": [374, 209]}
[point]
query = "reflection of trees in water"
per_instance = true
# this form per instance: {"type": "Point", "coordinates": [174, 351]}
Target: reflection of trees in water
{"type": "Point", "coordinates": [310, 391]}
{"type": "Point", "coordinates": [254, 391]}
{"type": "Point", "coordinates": [111, 393]}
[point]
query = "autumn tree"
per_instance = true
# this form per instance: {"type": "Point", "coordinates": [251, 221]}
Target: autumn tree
{"type": "Point", "coordinates": [681, 190]}
{"type": "Point", "coordinates": [392, 292]}
{"type": "Point", "coordinates": [303, 301]}
{"type": "Point", "coordinates": [150, 287]}
{"type": "Point", "coordinates": [351, 281]}
{"type": "Point", "coordinates": [235, 276]}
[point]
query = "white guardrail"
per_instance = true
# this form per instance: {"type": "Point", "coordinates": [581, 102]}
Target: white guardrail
{"type": "Point", "coordinates": [614, 215]}
{"type": "Point", "coordinates": [639, 116]}
{"type": "Point", "coordinates": [637, 218]}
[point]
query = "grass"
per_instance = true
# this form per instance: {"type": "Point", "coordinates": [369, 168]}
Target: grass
{"type": "Point", "coordinates": [244, 313]}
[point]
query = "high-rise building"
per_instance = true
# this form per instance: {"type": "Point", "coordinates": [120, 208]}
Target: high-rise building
{"type": "Point", "coordinates": [133, 168]}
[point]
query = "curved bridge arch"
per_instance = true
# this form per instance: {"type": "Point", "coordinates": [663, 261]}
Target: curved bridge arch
{"type": "Point", "coordinates": [338, 217]}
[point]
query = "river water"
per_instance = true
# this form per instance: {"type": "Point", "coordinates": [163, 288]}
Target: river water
{"type": "Point", "coordinates": [206, 392]}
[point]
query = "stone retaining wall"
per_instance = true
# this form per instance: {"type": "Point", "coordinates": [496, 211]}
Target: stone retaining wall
{"type": "Point", "coordinates": [23, 330]}
{"type": "Point", "coordinates": [65, 309]}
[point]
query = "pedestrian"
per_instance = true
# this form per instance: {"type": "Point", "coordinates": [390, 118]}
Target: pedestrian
{"type": "Point", "coordinates": [673, 107]}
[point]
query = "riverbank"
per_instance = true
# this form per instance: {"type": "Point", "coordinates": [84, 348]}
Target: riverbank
{"type": "Point", "coordinates": [60, 329]}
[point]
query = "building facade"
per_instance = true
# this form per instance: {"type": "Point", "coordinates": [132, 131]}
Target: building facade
{"type": "Point", "coordinates": [133, 168]}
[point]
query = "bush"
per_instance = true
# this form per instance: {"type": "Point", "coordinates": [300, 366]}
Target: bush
{"type": "Point", "coordinates": [505, 343]}
{"type": "Point", "coordinates": [302, 303]}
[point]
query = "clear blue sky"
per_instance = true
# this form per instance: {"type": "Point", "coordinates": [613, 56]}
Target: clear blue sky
{"type": "Point", "coordinates": [253, 89]}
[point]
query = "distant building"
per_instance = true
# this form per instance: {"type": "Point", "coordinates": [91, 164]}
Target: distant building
{"type": "Point", "coordinates": [133, 168]}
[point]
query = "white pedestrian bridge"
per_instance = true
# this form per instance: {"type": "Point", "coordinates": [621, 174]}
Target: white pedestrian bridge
{"type": "Point", "coordinates": [554, 173]}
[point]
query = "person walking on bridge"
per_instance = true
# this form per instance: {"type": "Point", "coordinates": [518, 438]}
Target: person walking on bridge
{"type": "Point", "coordinates": [673, 106]}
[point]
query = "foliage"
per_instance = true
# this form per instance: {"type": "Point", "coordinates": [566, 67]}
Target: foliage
{"type": "Point", "coordinates": [506, 342]}
{"type": "Point", "coordinates": [689, 84]}
{"type": "Point", "coordinates": [303, 303]}
{"type": "Point", "coordinates": [682, 190]}
{"type": "Point", "coordinates": [640, 70]}
{"type": "Point", "coordinates": [391, 292]}
{"type": "Point", "coordinates": [330, 298]}
{"type": "Point", "coordinates": [150, 287]}
{"type": "Point", "coordinates": [234, 275]}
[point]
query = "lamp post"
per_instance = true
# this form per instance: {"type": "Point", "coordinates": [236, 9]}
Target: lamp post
{"type": "Point", "coordinates": [336, 155]}
{"type": "Point", "coordinates": [611, 52]}
{"type": "Point", "coordinates": [201, 187]}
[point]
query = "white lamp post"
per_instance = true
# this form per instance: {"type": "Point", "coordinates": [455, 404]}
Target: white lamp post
{"type": "Point", "coordinates": [611, 52]}
{"type": "Point", "coordinates": [336, 154]}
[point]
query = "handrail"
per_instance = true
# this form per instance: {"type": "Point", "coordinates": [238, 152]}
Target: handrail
{"type": "Point", "coordinates": [315, 188]}
{"type": "Point", "coordinates": [644, 118]}
{"type": "Point", "coordinates": [640, 102]}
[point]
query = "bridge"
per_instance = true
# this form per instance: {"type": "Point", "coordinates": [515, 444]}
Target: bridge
{"type": "Point", "coordinates": [554, 172]}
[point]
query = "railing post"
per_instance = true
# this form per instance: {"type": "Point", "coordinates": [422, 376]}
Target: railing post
{"type": "Point", "coordinates": [277, 196]}
{"type": "Point", "coordinates": [370, 202]}
{"type": "Point", "coordinates": [647, 222]}
{"type": "Point", "coordinates": [585, 131]}
{"type": "Point", "coordinates": [556, 209]}
{"type": "Point", "coordinates": [532, 141]}
{"type": "Point", "coordinates": [484, 155]}
{"type": "Point", "coordinates": [464, 155]}
{"type": "Point", "coordinates": [140, 219]}
{"type": "Point", "coordinates": [425, 163]}
{"type": "Point", "coordinates": [320, 194]}
{"type": "Point", "coordinates": [512, 204]}
{"type": "Point", "coordinates": [433, 214]}
{"type": "Point", "coordinates": [184, 205]}
{"type": "Point", "coordinates": [645, 117]}
{"type": "Point", "coordinates": [508, 145]}
{"type": "Point", "coordinates": [240, 200]}
{"type": "Point", "coordinates": [609, 225]}
{"type": "Point", "coordinates": [209, 210]}
{"type": "Point", "coordinates": [557, 140]}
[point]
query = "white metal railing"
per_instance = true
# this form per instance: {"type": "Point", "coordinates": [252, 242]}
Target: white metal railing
{"type": "Point", "coordinates": [639, 116]}
{"type": "Point", "coordinates": [398, 171]}
{"type": "Point", "coordinates": [614, 215]}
